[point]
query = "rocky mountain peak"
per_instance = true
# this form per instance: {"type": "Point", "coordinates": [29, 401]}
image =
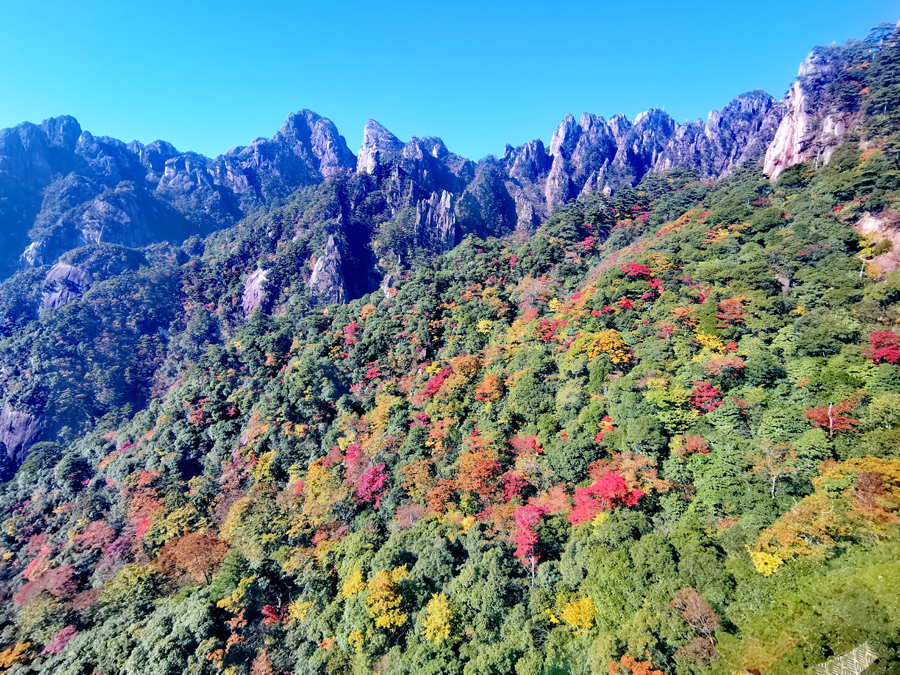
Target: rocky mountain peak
{"type": "Point", "coordinates": [376, 142]}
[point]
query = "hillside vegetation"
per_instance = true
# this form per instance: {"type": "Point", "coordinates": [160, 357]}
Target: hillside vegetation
{"type": "Point", "coordinates": [659, 434]}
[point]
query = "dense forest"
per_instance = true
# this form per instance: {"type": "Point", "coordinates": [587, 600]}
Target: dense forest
{"type": "Point", "coordinates": [658, 434]}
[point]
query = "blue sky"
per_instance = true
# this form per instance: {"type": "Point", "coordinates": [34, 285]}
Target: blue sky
{"type": "Point", "coordinates": [210, 75]}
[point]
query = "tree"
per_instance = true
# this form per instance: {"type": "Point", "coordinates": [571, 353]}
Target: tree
{"type": "Point", "coordinates": [884, 347]}
{"type": "Point", "coordinates": [605, 493]}
{"type": "Point", "coordinates": [697, 613]}
{"type": "Point", "coordinates": [436, 624]}
{"type": "Point", "coordinates": [383, 603]}
{"type": "Point", "coordinates": [196, 554]}
{"type": "Point", "coordinates": [835, 418]}
{"type": "Point", "coordinates": [705, 396]}
{"type": "Point", "coordinates": [579, 614]}
{"type": "Point", "coordinates": [526, 539]}
{"type": "Point", "coordinates": [775, 461]}
{"type": "Point", "coordinates": [633, 666]}
{"type": "Point", "coordinates": [371, 485]}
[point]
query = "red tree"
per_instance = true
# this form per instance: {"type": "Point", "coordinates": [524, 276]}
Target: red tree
{"type": "Point", "coordinates": [705, 396]}
{"type": "Point", "coordinates": [835, 418]}
{"type": "Point", "coordinates": [606, 493]}
{"type": "Point", "coordinates": [371, 484]}
{"type": "Point", "coordinates": [527, 518]}
{"type": "Point", "coordinates": [884, 347]}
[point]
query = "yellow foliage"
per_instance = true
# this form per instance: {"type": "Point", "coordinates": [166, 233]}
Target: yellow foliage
{"type": "Point", "coordinates": [484, 326]}
{"type": "Point", "coordinates": [554, 305]}
{"type": "Point", "coordinates": [608, 342]}
{"type": "Point", "coordinates": [234, 517]}
{"type": "Point", "coordinates": [710, 342]}
{"type": "Point", "coordinates": [355, 639]}
{"type": "Point", "coordinates": [15, 654]}
{"type": "Point", "coordinates": [300, 609]}
{"type": "Point", "coordinates": [765, 563]}
{"type": "Point", "coordinates": [579, 614]}
{"type": "Point", "coordinates": [383, 603]}
{"type": "Point", "coordinates": [234, 603]}
{"type": "Point", "coordinates": [466, 523]}
{"type": "Point", "coordinates": [437, 623]}
{"type": "Point", "coordinates": [354, 585]}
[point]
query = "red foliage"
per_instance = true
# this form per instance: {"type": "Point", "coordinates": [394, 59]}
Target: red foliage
{"type": "Point", "coordinates": [513, 483]}
{"type": "Point", "coordinates": [693, 445]}
{"type": "Point", "coordinates": [546, 331]}
{"type": "Point", "coordinates": [835, 418]}
{"type": "Point", "coordinates": [884, 347]}
{"type": "Point", "coordinates": [355, 463]}
{"type": "Point", "coordinates": [60, 640]}
{"type": "Point", "coordinates": [195, 554]}
{"type": "Point", "coordinates": [606, 427]}
{"type": "Point", "coordinates": [705, 396]}
{"type": "Point", "coordinates": [438, 496]}
{"type": "Point", "coordinates": [409, 514]}
{"type": "Point", "coordinates": [97, 535]}
{"type": "Point", "coordinates": [625, 303]}
{"type": "Point", "coordinates": [371, 484]}
{"type": "Point", "coordinates": [526, 540]}
{"type": "Point", "coordinates": [610, 491]}
{"type": "Point", "coordinates": [525, 445]}
{"type": "Point", "coordinates": [59, 581]}
{"type": "Point", "coordinates": [633, 666]}
{"type": "Point", "coordinates": [350, 337]}
{"type": "Point", "coordinates": [434, 384]}
{"type": "Point", "coordinates": [731, 311]}
{"type": "Point", "coordinates": [273, 615]}
{"type": "Point", "coordinates": [725, 366]}
{"type": "Point", "coordinates": [632, 269]}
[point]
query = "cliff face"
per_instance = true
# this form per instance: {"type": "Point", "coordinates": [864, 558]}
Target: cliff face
{"type": "Point", "coordinates": [814, 124]}
{"type": "Point", "coordinates": [61, 187]}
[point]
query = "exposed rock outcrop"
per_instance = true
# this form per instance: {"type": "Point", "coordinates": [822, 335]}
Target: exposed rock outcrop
{"type": "Point", "coordinates": [882, 227]}
{"type": "Point", "coordinates": [70, 188]}
{"type": "Point", "coordinates": [813, 126]}
{"type": "Point", "coordinates": [254, 294]}
{"type": "Point", "coordinates": [326, 284]}
{"type": "Point", "coordinates": [436, 221]}
{"type": "Point", "coordinates": [17, 430]}
{"type": "Point", "coordinates": [739, 132]}
{"type": "Point", "coordinates": [63, 284]}
{"type": "Point", "coordinates": [377, 142]}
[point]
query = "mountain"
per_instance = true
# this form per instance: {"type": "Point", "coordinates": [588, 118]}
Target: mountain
{"type": "Point", "coordinates": [624, 403]}
{"type": "Point", "coordinates": [65, 188]}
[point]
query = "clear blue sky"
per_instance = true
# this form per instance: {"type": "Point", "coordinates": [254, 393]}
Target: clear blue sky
{"type": "Point", "coordinates": [210, 75]}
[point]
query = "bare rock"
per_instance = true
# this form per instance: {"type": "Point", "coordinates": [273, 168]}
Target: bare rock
{"type": "Point", "coordinates": [326, 284]}
{"type": "Point", "coordinates": [63, 284]}
{"type": "Point", "coordinates": [436, 221]}
{"type": "Point", "coordinates": [810, 130]}
{"type": "Point", "coordinates": [377, 141]}
{"type": "Point", "coordinates": [254, 295]}
{"type": "Point", "coordinates": [17, 430]}
{"type": "Point", "coordinates": [883, 226]}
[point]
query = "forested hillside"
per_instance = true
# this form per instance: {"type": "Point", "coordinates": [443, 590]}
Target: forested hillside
{"type": "Point", "coordinates": [660, 433]}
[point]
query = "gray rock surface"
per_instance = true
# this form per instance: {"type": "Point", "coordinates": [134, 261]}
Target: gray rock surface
{"type": "Point", "coordinates": [17, 430]}
{"type": "Point", "coordinates": [326, 284]}
{"type": "Point", "coordinates": [63, 284]}
{"type": "Point", "coordinates": [254, 295]}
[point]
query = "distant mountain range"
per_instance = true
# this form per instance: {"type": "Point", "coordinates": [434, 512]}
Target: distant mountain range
{"type": "Point", "coordinates": [62, 187]}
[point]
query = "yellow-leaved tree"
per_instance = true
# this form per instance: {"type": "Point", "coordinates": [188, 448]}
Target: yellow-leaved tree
{"type": "Point", "coordinates": [579, 614]}
{"type": "Point", "coordinates": [383, 603]}
{"type": "Point", "coordinates": [437, 623]}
